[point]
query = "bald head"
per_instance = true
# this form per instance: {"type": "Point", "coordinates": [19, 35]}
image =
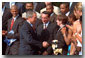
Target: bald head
{"type": "Point", "coordinates": [14, 7]}
{"type": "Point", "coordinates": [14, 10]}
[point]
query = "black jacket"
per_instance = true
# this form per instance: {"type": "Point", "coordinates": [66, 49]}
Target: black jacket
{"type": "Point", "coordinates": [29, 43]}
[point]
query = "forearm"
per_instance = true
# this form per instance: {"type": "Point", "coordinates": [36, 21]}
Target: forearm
{"type": "Point", "coordinates": [66, 39]}
{"type": "Point", "coordinates": [79, 38]}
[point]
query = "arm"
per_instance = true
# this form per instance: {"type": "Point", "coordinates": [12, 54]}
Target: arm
{"type": "Point", "coordinates": [79, 38]}
{"type": "Point", "coordinates": [66, 37]}
{"type": "Point", "coordinates": [28, 37]}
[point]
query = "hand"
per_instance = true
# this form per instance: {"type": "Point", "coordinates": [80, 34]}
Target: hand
{"type": "Point", "coordinates": [63, 30]}
{"type": "Point", "coordinates": [45, 53]}
{"type": "Point", "coordinates": [70, 27]}
{"type": "Point", "coordinates": [45, 44]}
{"type": "Point", "coordinates": [4, 32]}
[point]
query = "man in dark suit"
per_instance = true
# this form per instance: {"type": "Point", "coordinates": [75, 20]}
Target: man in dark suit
{"type": "Point", "coordinates": [45, 32]}
{"type": "Point", "coordinates": [29, 43]}
{"type": "Point", "coordinates": [5, 16]}
{"type": "Point", "coordinates": [12, 38]}
{"type": "Point", "coordinates": [53, 16]}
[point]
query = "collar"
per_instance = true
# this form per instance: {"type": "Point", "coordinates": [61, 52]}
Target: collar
{"type": "Point", "coordinates": [15, 17]}
{"type": "Point", "coordinates": [46, 23]}
{"type": "Point", "coordinates": [67, 13]}
{"type": "Point", "coordinates": [30, 23]}
{"type": "Point", "coordinates": [52, 14]}
{"type": "Point", "coordinates": [61, 27]}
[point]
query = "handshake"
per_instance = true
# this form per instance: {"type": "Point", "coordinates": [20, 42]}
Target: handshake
{"type": "Point", "coordinates": [45, 44]}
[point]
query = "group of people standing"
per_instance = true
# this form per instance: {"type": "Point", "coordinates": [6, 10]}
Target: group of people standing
{"type": "Point", "coordinates": [50, 30]}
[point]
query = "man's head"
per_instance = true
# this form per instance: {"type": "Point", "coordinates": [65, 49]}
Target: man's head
{"type": "Point", "coordinates": [45, 16]}
{"type": "Point", "coordinates": [29, 6]}
{"type": "Point", "coordinates": [64, 8]}
{"type": "Point", "coordinates": [49, 8]}
{"type": "Point", "coordinates": [31, 16]}
{"type": "Point", "coordinates": [14, 10]}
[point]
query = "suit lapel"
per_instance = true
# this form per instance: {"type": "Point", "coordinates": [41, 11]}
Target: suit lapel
{"type": "Point", "coordinates": [48, 25]}
{"type": "Point", "coordinates": [15, 24]}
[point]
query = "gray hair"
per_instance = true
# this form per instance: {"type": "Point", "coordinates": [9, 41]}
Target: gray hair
{"type": "Point", "coordinates": [29, 14]}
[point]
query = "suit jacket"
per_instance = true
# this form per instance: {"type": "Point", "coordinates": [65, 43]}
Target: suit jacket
{"type": "Point", "coordinates": [61, 42]}
{"type": "Point", "coordinates": [47, 34]}
{"type": "Point", "coordinates": [29, 44]}
{"type": "Point", "coordinates": [53, 17]}
{"type": "Point", "coordinates": [13, 49]}
{"type": "Point", "coordinates": [6, 15]}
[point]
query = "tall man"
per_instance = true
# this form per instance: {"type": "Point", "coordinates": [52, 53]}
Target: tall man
{"type": "Point", "coordinates": [45, 32]}
{"type": "Point", "coordinates": [29, 44]}
{"type": "Point", "coordinates": [12, 38]}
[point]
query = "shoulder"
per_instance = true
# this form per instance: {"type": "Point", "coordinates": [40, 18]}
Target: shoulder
{"type": "Point", "coordinates": [55, 7]}
{"type": "Point", "coordinates": [44, 9]}
{"type": "Point", "coordinates": [20, 19]}
{"type": "Point", "coordinates": [24, 13]}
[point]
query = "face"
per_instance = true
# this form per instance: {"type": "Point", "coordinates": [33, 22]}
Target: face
{"type": "Point", "coordinates": [29, 6]}
{"type": "Point", "coordinates": [49, 9]}
{"type": "Point", "coordinates": [33, 19]}
{"type": "Point", "coordinates": [76, 13]}
{"type": "Point", "coordinates": [58, 22]}
{"type": "Point", "coordinates": [45, 18]}
{"type": "Point", "coordinates": [63, 8]}
{"type": "Point", "coordinates": [14, 12]}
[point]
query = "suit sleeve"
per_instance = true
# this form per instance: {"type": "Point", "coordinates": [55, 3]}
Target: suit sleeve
{"type": "Point", "coordinates": [17, 35]}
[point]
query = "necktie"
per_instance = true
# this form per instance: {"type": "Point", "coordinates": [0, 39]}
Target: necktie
{"type": "Point", "coordinates": [12, 22]}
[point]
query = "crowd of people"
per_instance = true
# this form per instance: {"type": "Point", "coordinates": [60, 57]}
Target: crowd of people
{"type": "Point", "coordinates": [41, 28]}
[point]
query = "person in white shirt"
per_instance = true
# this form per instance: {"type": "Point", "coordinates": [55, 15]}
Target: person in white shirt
{"type": "Point", "coordinates": [56, 9]}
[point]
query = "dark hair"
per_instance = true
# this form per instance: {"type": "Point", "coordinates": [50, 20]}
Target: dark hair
{"type": "Point", "coordinates": [66, 4]}
{"type": "Point", "coordinates": [62, 18]}
{"type": "Point", "coordinates": [50, 5]}
{"type": "Point", "coordinates": [72, 16]}
{"type": "Point", "coordinates": [81, 19]}
{"type": "Point", "coordinates": [28, 3]}
{"type": "Point", "coordinates": [46, 12]}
